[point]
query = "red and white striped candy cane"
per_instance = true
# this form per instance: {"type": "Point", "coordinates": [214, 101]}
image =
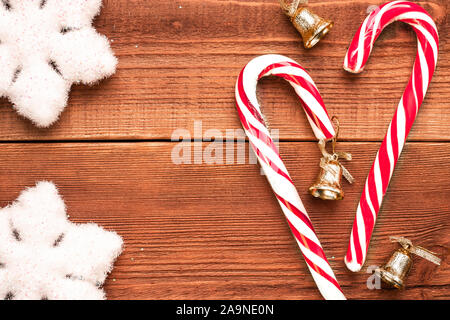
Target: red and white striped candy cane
{"type": "Point", "coordinates": [392, 145]}
{"type": "Point", "coordinates": [270, 160]}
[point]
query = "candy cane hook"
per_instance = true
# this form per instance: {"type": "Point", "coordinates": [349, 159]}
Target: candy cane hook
{"type": "Point", "coordinates": [270, 160]}
{"type": "Point", "coordinates": [381, 172]}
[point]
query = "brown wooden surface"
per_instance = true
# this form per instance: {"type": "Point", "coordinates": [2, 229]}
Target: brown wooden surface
{"type": "Point", "coordinates": [216, 231]}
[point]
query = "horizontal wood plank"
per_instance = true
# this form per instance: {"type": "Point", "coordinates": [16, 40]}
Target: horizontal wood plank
{"type": "Point", "coordinates": [199, 231]}
{"type": "Point", "coordinates": [179, 61]}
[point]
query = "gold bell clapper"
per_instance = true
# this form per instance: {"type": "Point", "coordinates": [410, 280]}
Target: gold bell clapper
{"type": "Point", "coordinates": [395, 271]}
{"type": "Point", "coordinates": [328, 185]}
{"type": "Point", "coordinates": [311, 26]}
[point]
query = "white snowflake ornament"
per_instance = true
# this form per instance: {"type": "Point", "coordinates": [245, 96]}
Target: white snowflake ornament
{"type": "Point", "coordinates": [45, 47]}
{"type": "Point", "coordinates": [45, 256]}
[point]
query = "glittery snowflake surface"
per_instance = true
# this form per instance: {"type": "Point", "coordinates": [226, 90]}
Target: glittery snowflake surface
{"type": "Point", "coordinates": [44, 256]}
{"type": "Point", "coordinates": [45, 47]}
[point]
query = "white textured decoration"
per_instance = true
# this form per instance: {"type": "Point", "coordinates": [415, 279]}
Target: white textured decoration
{"type": "Point", "coordinates": [45, 47]}
{"type": "Point", "coordinates": [45, 256]}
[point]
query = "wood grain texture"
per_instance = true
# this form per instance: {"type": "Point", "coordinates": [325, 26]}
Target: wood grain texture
{"type": "Point", "coordinates": [179, 61]}
{"type": "Point", "coordinates": [216, 231]}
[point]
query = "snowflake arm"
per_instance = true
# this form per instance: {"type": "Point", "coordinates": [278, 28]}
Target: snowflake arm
{"type": "Point", "coordinates": [83, 55]}
{"type": "Point", "coordinates": [39, 93]}
{"type": "Point", "coordinates": [88, 252]}
{"type": "Point", "coordinates": [39, 215]}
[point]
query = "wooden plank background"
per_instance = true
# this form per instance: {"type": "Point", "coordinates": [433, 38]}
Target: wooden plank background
{"type": "Point", "coordinates": [198, 231]}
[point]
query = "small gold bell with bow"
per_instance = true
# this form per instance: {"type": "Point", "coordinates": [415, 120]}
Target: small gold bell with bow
{"type": "Point", "coordinates": [311, 26]}
{"type": "Point", "coordinates": [395, 271]}
{"type": "Point", "coordinates": [328, 185]}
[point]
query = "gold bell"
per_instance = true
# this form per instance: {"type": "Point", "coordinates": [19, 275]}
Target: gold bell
{"type": "Point", "coordinates": [311, 26]}
{"type": "Point", "coordinates": [328, 185]}
{"type": "Point", "coordinates": [395, 271]}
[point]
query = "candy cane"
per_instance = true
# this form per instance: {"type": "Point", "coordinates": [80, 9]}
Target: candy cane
{"type": "Point", "coordinates": [392, 145]}
{"type": "Point", "coordinates": [270, 160]}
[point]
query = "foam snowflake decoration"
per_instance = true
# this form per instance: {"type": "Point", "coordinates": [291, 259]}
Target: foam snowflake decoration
{"type": "Point", "coordinates": [45, 47]}
{"type": "Point", "coordinates": [44, 256]}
